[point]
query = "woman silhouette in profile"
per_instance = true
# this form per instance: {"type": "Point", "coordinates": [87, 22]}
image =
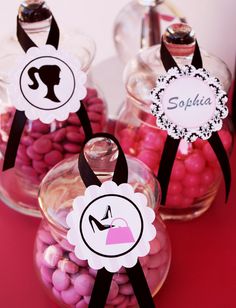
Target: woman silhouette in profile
{"type": "Point", "coordinates": [49, 74]}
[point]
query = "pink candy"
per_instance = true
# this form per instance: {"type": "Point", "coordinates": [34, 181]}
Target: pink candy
{"type": "Point", "coordinates": [195, 168]}
{"type": "Point", "coordinates": [42, 146]}
{"type": "Point", "coordinates": [71, 281]}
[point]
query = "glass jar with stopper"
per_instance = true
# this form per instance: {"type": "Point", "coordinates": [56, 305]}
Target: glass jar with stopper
{"type": "Point", "coordinates": [42, 145]}
{"type": "Point", "coordinates": [196, 174]}
{"type": "Point", "coordinates": [68, 279]}
{"type": "Point", "coordinates": [141, 23]}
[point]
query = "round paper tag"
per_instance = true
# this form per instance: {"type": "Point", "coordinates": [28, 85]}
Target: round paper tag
{"type": "Point", "coordinates": [188, 103]}
{"type": "Point", "coordinates": [48, 84]}
{"type": "Point", "coordinates": [111, 226]}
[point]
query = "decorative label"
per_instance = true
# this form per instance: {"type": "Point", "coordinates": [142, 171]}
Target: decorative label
{"type": "Point", "coordinates": [48, 84]}
{"type": "Point", "coordinates": [188, 103]}
{"type": "Point", "coordinates": [111, 226]}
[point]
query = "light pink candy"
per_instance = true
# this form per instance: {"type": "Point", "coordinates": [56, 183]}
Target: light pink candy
{"type": "Point", "coordinates": [56, 293]}
{"type": "Point", "coordinates": [68, 266]}
{"type": "Point", "coordinates": [126, 289]}
{"type": "Point", "coordinates": [52, 255]}
{"type": "Point", "coordinates": [113, 292]}
{"type": "Point", "coordinates": [46, 273]}
{"type": "Point", "coordinates": [70, 296]}
{"type": "Point", "coordinates": [60, 280]}
{"type": "Point", "coordinates": [82, 263]}
{"type": "Point", "coordinates": [155, 247]}
{"type": "Point", "coordinates": [121, 278]}
{"type": "Point", "coordinates": [84, 284]}
{"type": "Point", "coordinates": [158, 259]}
{"type": "Point", "coordinates": [81, 304]}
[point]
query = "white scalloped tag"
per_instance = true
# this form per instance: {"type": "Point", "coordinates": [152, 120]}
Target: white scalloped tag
{"type": "Point", "coordinates": [189, 103]}
{"type": "Point", "coordinates": [111, 226]}
{"type": "Point", "coordinates": [47, 84]}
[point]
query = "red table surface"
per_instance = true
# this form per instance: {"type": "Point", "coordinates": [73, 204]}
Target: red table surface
{"type": "Point", "coordinates": [202, 272]}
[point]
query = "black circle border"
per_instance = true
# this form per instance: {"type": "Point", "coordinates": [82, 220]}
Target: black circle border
{"type": "Point", "coordinates": [22, 92]}
{"type": "Point", "coordinates": [130, 249]}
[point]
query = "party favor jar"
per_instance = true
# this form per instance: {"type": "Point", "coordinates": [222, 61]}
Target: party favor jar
{"type": "Point", "coordinates": [42, 145]}
{"type": "Point", "coordinates": [140, 24]}
{"type": "Point", "coordinates": [196, 173]}
{"type": "Point", "coordinates": [69, 279]}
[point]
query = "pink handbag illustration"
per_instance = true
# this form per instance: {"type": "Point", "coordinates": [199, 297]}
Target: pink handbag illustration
{"type": "Point", "coordinates": [119, 235]}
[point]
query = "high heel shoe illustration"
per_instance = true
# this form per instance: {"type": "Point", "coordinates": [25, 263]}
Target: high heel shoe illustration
{"type": "Point", "coordinates": [108, 211]}
{"type": "Point", "coordinates": [100, 226]}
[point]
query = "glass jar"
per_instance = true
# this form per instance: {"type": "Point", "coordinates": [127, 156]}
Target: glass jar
{"type": "Point", "coordinates": [196, 174]}
{"type": "Point", "coordinates": [42, 145]}
{"type": "Point", "coordinates": [140, 24]}
{"type": "Point", "coordinates": [68, 279]}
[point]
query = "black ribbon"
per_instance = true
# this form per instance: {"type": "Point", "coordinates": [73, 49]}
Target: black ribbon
{"type": "Point", "coordinates": [20, 119]}
{"type": "Point", "coordinates": [104, 278]}
{"type": "Point", "coordinates": [171, 145]}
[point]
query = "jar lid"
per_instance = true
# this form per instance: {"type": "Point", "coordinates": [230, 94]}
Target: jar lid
{"type": "Point", "coordinates": [63, 183]}
{"type": "Point", "coordinates": [180, 39]}
{"type": "Point", "coordinates": [33, 11]}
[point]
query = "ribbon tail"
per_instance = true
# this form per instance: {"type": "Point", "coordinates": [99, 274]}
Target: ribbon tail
{"type": "Point", "coordinates": [54, 34]}
{"type": "Point", "coordinates": [85, 122]}
{"type": "Point", "coordinates": [23, 38]}
{"type": "Point", "coordinates": [140, 286]}
{"type": "Point", "coordinates": [101, 289]}
{"type": "Point", "coordinates": [222, 157]}
{"type": "Point", "coordinates": [16, 131]}
{"type": "Point", "coordinates": [166, 165]}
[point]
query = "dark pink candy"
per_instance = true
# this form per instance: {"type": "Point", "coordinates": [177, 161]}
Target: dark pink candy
{"type": "Point", "coordinates": [53, 157]}
{"type": "Point", "coordinates": [72, 148]}
{"type": "Point", "coordinates": [40, 166]}
{"type": "Point", "coordinates": [59, 135]}
{"type": "Point", "coordinates": [33, 154]}
{"type": "Point", "coordinates": [42, 145]}
{"type": "Point", "coordinates": [38, 126]}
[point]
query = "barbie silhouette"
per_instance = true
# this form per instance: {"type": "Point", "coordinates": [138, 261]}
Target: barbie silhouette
{"type": "Point", "coordinates": [49, 74]}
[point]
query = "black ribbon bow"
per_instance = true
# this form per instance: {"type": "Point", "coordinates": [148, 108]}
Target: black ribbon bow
{"type": "Point", "coordinates": [171, 145]}
{"type": "Point", "coordinates": [104, 278]}
{"type": "Point", "coordinates": [20, 119]}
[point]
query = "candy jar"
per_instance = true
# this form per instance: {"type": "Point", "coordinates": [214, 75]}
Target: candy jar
{"type": "Point", "coordinates": [140, 24]}
{"type": "Point", "coordinates": [68, 279]}
{"type": "Point", "coordinates": [42, 145]}
{"type": "Point", "coordinates": [196, 174]}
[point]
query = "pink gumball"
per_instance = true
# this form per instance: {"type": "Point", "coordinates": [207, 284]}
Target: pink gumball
{"type": "Point", "coordinates": [195, 162]}
{"type": "Point", "coordinates": [178, 171]}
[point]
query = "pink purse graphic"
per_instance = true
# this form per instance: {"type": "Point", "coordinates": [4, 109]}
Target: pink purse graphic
{"type": "Point", "coordinates": [119, 235]}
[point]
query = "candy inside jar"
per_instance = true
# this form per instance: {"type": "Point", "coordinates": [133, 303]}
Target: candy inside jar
{"type": "Point", "coordinates": [68, 279]}
{"type": "Point", "coordinates": [42, 145]}
{"type": "Point", "coordinates": [196, 173]}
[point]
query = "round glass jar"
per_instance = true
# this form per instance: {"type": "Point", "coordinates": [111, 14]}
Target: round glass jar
{"type": "Point", "coordinates": [196, 174]}
{"type": "Point", "coordinates": [140, 24]}
{"type": "Point", "coordinates": [68, 279]}
{"type": "Point", "coordinates": [42, 145]}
